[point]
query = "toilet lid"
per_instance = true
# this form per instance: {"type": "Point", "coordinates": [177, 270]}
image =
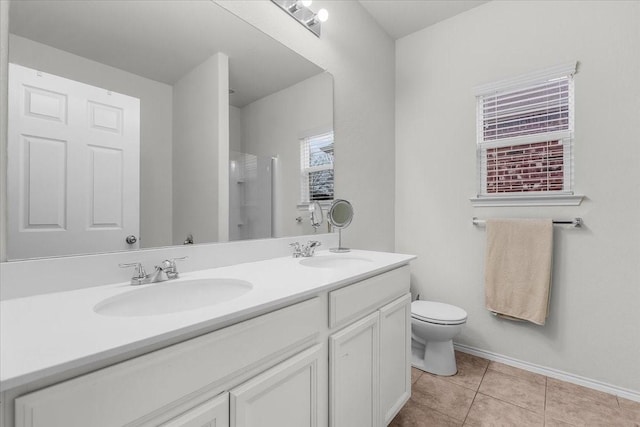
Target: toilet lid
{"type": "Point", "coordinates": [438, 312]}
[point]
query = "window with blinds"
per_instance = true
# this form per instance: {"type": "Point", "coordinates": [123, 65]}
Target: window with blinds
{"type": "Point", "coordinates": [316, 168]}
{"type": "Point", "coordinates": [525, 134]}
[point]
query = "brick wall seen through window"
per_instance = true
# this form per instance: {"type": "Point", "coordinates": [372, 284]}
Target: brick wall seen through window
{"type": "Point", "coordinates": [525, 167]}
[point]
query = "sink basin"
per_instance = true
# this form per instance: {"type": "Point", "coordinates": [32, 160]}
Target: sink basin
{"type": "Point", "coordinates": [335, 261]}
{"type": "Point", "coordinates": [172, 297]}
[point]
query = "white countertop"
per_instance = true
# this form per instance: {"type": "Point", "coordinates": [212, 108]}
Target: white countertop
{"type": "Point", "coordinates": [50, 334]}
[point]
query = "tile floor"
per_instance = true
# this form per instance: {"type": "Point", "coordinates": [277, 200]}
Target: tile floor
{"type": "Point", "coordinates": [485, 393]}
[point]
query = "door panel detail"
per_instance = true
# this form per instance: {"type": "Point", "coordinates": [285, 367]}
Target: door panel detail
{"type": "Point", "coordinates": [44, 174]}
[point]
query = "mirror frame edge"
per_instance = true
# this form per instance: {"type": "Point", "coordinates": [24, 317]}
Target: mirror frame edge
{"type": "Point", "coordinates": [4, 90]}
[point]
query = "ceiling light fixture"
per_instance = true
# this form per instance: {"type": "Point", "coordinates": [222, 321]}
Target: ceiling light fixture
{"type": "Point", "coordinates": [299, 10]}
{"type": "Point", "coordinates": [297, 5]}
{"type": "Point", "coordinates": [319, 17]}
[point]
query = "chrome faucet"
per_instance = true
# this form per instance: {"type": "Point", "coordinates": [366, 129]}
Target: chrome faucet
{"type": "Point", "coordinates": [140, 276]}
{"type": "Point", "coordinates": [165, 271]}
{"type": "Point", "coordinates": [304, 250]}
{"type": "Point", "coordinates": [168, 268]}
{"type": "Point", "coordinates": [310, 248]}
{"type": "Point", "coordinates": [297, 250]}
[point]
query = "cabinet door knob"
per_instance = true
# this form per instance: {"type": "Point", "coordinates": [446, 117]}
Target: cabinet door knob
{"type": "Point", "coordinates": [131, 239]}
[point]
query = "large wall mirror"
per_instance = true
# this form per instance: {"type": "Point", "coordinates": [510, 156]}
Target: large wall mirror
{"type": "Point", "coordinates": [139, 124]}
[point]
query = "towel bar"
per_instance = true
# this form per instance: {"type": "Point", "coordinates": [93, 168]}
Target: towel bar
{"type": "Point", "coordinates": [575, 222]}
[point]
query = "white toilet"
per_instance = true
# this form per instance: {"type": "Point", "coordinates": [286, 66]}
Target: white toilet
{"type": "Point", "coordinates": [433, 327]}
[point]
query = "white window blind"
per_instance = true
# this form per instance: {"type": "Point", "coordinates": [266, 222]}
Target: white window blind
{"type": "Point", "coordinates": [316, 168]}
{"type": "Point", "coordinates": [525, 134]}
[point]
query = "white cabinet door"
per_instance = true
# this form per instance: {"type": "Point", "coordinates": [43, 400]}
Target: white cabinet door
{"type": "Point", "coordinates": [395, 353]}
{"type": "Point", "coordinates": [284, 396]}
{"type": "Point", "coordinates": [353, 374]}
{"type": "Point", "coordinates": [212, 413]}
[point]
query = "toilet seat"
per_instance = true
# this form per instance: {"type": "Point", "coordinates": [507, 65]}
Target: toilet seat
{"type": "Point", "coordinates": [438, 313]}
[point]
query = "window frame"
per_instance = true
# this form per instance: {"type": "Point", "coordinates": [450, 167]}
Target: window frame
{"type": "Point", "coordinates": [306, 169]}
{"type": "Point", "coordinates": [529, 81]}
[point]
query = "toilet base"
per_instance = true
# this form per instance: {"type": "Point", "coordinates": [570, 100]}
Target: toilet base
{"type": "Point", "coordinates": [436, 357]}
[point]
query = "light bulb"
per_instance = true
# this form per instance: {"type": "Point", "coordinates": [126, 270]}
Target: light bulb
{"type": "Point", "coordinates": [323, 15]}
{"type": "Point", "coordinates": [299, 4]}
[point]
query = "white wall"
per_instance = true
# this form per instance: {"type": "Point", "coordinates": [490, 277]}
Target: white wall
{"type": "Point", "coordinates": [360, 56]}
{"type": "Point", "coordinates": [594, 326]}
{"type": "Point", "coordinates": [197, 143]}
{"type": "Point", "coordinates": [272, 127]}
{"type": "Point", "coordinates": [155, 125]}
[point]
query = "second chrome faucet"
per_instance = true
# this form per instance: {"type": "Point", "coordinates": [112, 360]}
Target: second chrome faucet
{"type": "Point", "coordinates": [165, 271]}
{"type": "Point", "coordinates": [304, 250]}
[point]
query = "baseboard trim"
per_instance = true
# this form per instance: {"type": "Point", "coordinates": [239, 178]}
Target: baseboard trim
{"type": "Point", "coordinates": [550, 372]}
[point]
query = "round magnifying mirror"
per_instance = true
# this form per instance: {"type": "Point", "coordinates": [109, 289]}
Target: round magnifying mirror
{"type": "Point", "coordinates": [340, 216]}
{"type": "Point", "coordinates": [316, 215]}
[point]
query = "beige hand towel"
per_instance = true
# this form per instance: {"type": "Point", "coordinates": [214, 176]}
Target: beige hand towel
{"type": "Point", "coordinates": [518, 268]}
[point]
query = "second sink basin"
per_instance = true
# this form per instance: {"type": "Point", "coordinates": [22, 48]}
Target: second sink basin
{"type": "Point", "coordinates": [335, 261]}
{"type": "Point", "coordinates": [172, 297]}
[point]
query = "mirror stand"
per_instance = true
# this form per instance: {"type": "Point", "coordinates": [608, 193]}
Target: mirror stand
{"type": "Point", "coordinates": [340, 216]}
{"type": "Point", "coordinates": [339, 249]}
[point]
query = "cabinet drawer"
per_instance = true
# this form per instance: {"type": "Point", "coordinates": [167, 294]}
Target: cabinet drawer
{"type": "Point", "coordinates": [359, 299]}
{"type": "Point", "coordinates": [148, 384]}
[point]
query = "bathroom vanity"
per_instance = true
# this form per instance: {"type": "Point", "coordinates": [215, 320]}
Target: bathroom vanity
{"type": "Point", "coordinates": [317, 341]}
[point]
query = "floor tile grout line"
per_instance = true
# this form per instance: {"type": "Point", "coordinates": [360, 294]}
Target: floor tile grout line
{"type": "Point", "coordinates": [448, 378]}
{"type": "Point", "coordinates": [444, 414]}
{"type": "Point", "coordinates": [420, 374]}
{"type": "Point", "coordinates": [520, 377]}
{"type": "Point", "coordinates": [544, 407]}
{"type": "Point", "coordinates": [419, 403]}
{"type": "Point", "coordinates": [470, 406]}
{"type": "Point", "coordinates": [545, 400]}
{"type": "Point", "coordinates": [449, 383]}
{"type": "Point", "coordinates": [593, 400]}
{"type": "Point", "coordinates": [458, 384]}
{"type": "Point", "coordinates": [590, 392]}
{"type": "Point", "coordinates": [523, 377]}
{"type": "Point", "coordinates": [512, 404]}
{"type": "Point", "coordinates": [504, 401]}
{"type": "Point", "coordinates": [561, 421]}
{"type": "Point", "coordinates": [477, 391]}
{"type": "Point", "coordinates": [486, 368]}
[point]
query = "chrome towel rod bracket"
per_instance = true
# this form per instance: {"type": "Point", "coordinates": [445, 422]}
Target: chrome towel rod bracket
{"type": "Point", "coordinates": [575, 222]}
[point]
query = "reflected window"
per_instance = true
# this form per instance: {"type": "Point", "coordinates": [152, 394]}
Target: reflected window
{"type": "Point", "coordinates": [316, 168]}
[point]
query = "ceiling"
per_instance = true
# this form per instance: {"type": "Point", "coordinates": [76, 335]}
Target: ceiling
{"type": "Point", "coordinates": [163, 40]}
{"type": "Point", "coordinates": [402, 17]}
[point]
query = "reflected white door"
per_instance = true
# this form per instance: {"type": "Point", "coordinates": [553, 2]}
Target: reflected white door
{"type": "Point", "coordinates": [73, 170]}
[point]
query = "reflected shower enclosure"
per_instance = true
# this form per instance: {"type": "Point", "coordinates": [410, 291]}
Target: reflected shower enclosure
{"type": "Point", "coordinates": [251, 195]}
